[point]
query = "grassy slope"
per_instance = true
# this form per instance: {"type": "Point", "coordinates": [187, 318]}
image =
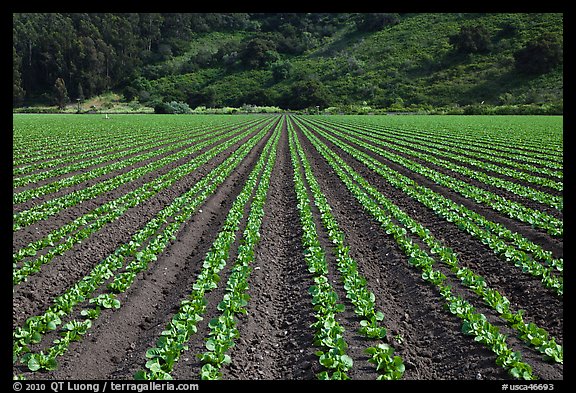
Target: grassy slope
{"type": "Point", "coordinates": [411, 63]}
{"type": "Point", "coordinates": [415, 62]}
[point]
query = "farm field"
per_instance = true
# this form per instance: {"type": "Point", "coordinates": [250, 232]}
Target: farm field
{"type": "Point", "coordinates": [288, 247]}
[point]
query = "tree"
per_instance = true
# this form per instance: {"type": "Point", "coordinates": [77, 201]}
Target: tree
{"type": "Point", "coordinates": [258, 52]}
{"type": "Point", "coordinates": [471, 39]}
{"type": "Point", "coordinates": [150, 25]}
{"type": "Point", "coordinates": [375, 21]}
{"type": "Point", "coordinates": [207, 97]}
{"type": "Point", "coordinates": [203, 57]}
{"type": "Point", "coordinates": [80, 92]}
{"type": "Point", "coordinates": [26, 35]}
{"type": "Point", "coordinates": [281, 70]}
{"type": "Point", "coordinates": [258, 96]}
{"type": "Point", "coordinates": [130, 93]}
{"type": "Point", "coordinates": [173, 107]}
{"type": "Point", "coordinates": [60, 93]}
{"type": "Point", "coordinates": [539, 56]}
{"type": "Point", "coordinates": [307, 94]}
{"type": "Point", "coordinates": [17, 90]}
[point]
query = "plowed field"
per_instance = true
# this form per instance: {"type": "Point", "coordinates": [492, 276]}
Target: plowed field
{"type": "Point", "coordinates": [287, 247]}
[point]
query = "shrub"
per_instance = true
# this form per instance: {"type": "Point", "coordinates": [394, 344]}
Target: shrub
{"type": "Point", "coordinates": [173, 107]}
{"type": "Point", "coordinates": [471, 39]}
{"type": "Point", "coordinates": [539, 56]}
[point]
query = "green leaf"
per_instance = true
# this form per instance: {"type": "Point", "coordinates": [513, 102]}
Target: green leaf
{"type": "Point", "coordinates": [326, 361]}
{"type": "Point", "coordinates": [323, 375]}
{"type": "Point", "coordinates": [153, 365]}
{"type": "Point", "coordinates": [51, 364]}
{"type": "Point", "coordinates": [209, 372]}
{"type": "Point", "coordinates": [371, 350]}
{"type": "Point", "coordinates": [153, 353]}
{"type": "Point", "coordinates": [36, 338]}
{"type": "Point", "coordinates": [400, 367]}
{"type": "Point", "coordinates": [33, 364]}
{"type": "Point", "coordinates": [347, 360]}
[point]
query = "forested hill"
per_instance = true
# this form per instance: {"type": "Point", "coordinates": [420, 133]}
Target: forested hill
{"type": "Point", "coordinates": [384, 60]}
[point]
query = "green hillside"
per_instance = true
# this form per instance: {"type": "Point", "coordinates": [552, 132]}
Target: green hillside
{"type": "Point", "coordinates": [344, 62]}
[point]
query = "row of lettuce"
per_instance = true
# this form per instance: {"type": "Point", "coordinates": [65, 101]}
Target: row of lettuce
{"type": "Point", "coordinates": [116, 273]}
{"type": "Point", "coordinates": [73, 312]}
{"type": "Point", "coordinates": [400, 225]}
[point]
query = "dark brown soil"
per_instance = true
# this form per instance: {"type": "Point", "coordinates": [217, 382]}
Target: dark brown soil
{"type": "Point", "coordinates": [34, 295]}
{"type": "Point", "coordinates": [431, 338]}
{"type": "Point", "coordinates": [276, 340]}
{"type": "Point", "coordinates": [156, 294]}
{"type": "Point", "coordinates": [524, 292]}
{"type": "Point", "coordinates": [144, 148]}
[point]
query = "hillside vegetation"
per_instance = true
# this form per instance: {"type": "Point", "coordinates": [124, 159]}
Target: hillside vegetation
{"type": "Point", "coordinates": [473, 63]}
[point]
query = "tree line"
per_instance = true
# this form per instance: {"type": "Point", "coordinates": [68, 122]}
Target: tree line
{"type": "Point", "coordinates": [95, 52]}
{"type": "Point", "coordinates": [63, 57]}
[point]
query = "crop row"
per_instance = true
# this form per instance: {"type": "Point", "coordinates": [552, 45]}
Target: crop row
{"type": "Point", "coordinates": [69, 138]}
{"type": "Point", "coordinates": [474, 323]}
{"type": "Point", "coordinates": [492, 234]}
{"type": "Point", "coordinates": [76, 161]}
{"type": "Point", "coordinates": [329, 333]}
{"type": "Point", "coordinates": [395, 144]}
{"type": "Point", "coordinates": [449, 144]}
{"type": "Point", "coordinates": [223, 330]}
{"type": "Point", "coordinates": [346, 316]}
{"type": "Point", "coordinates": [53, 206]}
{"type": "Point", "coordinates": [119, 164]}
{"type": "Point", "coordinates": [143, 248]}
{"type": "Point", "coordinates": [175, 336]}
{"type": "Point", "coordinates": [454, 151]}
{"type": "Point", "coordinates": [530, 138]}
{"type": "Point", "coordinates": [510, 154]}
{"type": "Point", "coordinates": [83, 227]}
{"type": "Point", "coordinates": [122, 149]}
{"type": "Point", "coordinates": [536, 218]}
{"type": "Point", "coordinates": [55, 147]}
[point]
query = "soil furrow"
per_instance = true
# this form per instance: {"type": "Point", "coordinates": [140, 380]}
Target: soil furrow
{"type": "Point", "coordinates": [41, 228]}
{"type": "Point", "coordinates": [524, 291]}
{"type": "Point", "coordinates": [509, 195]}
{"type": "Point", "coordinates": [432, 343]}
{"type": "Point", "coordinates": [34, 295]}
{"type": "Point", "coordinates": [156, 295]}
{"type": "Point", "coordinates": [144, 148]}
{"type": "Point", "coordinates": [547, 242]}
{"type": "Point", "coordinates": [275, 338]}
{"type": "Point", "coordinates": [91, 182]}
{"type": "Point", "coordinates": [189, 366]}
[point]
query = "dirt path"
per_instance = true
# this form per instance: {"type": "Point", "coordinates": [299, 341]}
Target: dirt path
{"type": "Point", "coordinates": [275, 339]}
